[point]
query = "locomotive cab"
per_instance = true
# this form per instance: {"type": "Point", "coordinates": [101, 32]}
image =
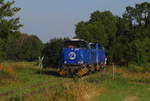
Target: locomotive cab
{"type": "Point", "coordinates": [75, 43]}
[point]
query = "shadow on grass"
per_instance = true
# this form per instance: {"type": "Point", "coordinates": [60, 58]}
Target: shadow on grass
{"type": "Point", "coordinates": [54, 73]}
{"type": "Point", "coordinates": [49, 72]}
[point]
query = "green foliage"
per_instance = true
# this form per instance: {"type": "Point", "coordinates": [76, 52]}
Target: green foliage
{"type": "Point", "coordinates": [11, 25]}
{"type": "Point", "coordinates": [125, 38]}
{"type": "Point", "coordinates": [8, 26]}
{"type": "Point", "coordinates": [138, 15]}
{"type": "Point", "coordinates": [25, 47]}
{"type": "Point", "coordinates": [136, 52]}
{"type": "Point", "coordinates": [13, 44]}
{"type": "Point", "coordinates": [52, 51]}
{"type": "Point", "coordinates": [136, 34]}
{"type": "Point", "coordinates": [31, 48]}
{"type": "Point", "coordinates": [100, 28]}
{"type": "Point", "coordinates": [2, 53]}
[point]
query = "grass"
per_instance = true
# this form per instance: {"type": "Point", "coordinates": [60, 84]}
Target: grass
{"type": "Point", "coordinates": [124, 87]}
{"type": "Point", "coordinates": [29, 85]}
{"type": "Point", "coordinates": [26, 78]}
{"type": "Point", "coordinates": [120, 90]}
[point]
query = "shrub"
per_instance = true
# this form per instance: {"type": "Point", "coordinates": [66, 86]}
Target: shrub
{"type": "Point", "coordinates": [52, 52]}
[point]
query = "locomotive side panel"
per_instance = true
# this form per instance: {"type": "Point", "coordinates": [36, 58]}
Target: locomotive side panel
{"type": "Point", "coordinates": [101, 55]}
{"type": "Point", "coordinates": [92, 56]}
{"type": "Point", "coordinates": [85, 56]}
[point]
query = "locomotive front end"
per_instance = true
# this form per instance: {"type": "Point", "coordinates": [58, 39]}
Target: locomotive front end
{"type": "Point", "coordinates": [74, 56]}
{"type": "Point", "coordinates": [74, 52]}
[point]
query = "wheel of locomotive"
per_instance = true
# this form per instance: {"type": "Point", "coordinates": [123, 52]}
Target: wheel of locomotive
{"type": "Point", "coordinates": [92, 68]}
{"type": "Point", "coordinates": [69, 72]}
{"type": "Point", "coordinates": [97, 67]}
{"type": "Point", "coordinates": [102, 65]}
{"type": "Point", "coordinates": [61, 71]}
{"type": "Point", "coordinates": [73, 71]}
{"type": "Point", "coordinates": [87, 68]}
{"type": "Point", "coordinates": [65, 71]}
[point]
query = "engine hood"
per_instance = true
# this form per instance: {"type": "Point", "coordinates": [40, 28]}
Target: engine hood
{"type": "Point", "coordinates": [72, 56]}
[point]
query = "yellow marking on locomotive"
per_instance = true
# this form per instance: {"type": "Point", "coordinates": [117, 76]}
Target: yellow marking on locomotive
{"type": "Point", "coordinates": [62, 72]}
{"type": "Point", "coordinates": [82, 72]}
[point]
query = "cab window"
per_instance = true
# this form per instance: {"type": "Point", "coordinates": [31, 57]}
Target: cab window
{"type": "Point", "coordinates": [75, 44]}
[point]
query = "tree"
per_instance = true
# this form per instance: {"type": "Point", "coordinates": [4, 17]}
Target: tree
{"type": "Point", "coordinates": [52, 52]}
{"type": "Point", "coordinates": [8, 25]}
{"type": "Point", "coordinates": [125, 38]}
{"type": "Point", "coordinates": [136, 52]}
{"type": "Point", "coordinates": [132, 35]}
{"type": "Point", "coordinates": [100, 28]}
{"type": "Point", "coordinates": [31, 48]}
{"type": "Point", "coordinates": [11, 48]}
{"type": "Point", "coordinates": [138, 15]}
{"type": "Point", "coordinates": [2, 53]}
{"type": "Point", "coordinates": [24, 48]}
{"type": "Point", "coordinates": [139, 18]}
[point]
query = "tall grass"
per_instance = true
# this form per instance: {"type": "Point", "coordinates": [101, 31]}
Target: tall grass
{"type": "Point", "coordinates": [7, 71]}
{"type": "Point", "coordinates": [68, 91]}
{"type": "Point", "coordinates": [141, 74]}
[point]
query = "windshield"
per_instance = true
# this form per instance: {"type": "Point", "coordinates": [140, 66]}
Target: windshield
{"type": "Point", "coordinates": [76, 44]}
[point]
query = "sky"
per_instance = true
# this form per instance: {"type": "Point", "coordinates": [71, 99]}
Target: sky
{"type": "Point", "coordinates": [57, 18]}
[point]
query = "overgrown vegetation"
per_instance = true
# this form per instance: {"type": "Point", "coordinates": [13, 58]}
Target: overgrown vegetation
{"type": "Point", "coordinates": [52, 52]}
{"type": "Point", "coordinates": [30, 85]}
{"type": "Point", "coordinates": [6, 72]}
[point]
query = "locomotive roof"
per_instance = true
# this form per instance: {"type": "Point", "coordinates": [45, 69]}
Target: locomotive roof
{"type": "Point", "coordinates": [76, 40]}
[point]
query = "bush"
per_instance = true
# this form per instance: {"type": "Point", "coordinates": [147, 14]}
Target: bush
{"type": "Point", "coordinates": [52, 52]}
{"type": "Point", "coordinates": [24, 48]}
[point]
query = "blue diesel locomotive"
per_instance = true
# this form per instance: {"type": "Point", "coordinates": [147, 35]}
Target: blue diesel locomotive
{"type": "Point", "coordinates": [80, 57]}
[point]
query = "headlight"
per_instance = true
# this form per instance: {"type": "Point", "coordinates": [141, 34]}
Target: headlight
{"type": "Point", "coordinates": [65, 62]}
